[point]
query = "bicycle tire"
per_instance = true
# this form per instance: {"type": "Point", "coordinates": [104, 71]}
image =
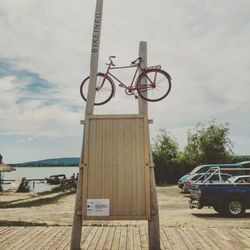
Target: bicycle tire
{"type": "Point", "coordinates": [158, 90]}
{"type": "Point", "coordinates": [100, 97]}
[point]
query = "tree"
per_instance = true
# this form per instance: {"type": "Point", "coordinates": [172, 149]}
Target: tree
{"type": "Point", "coordinates": [208, 144]}
{"type": "Point", "coordinates": [165, 154]}
{"type": "Point", "coordinates": [165, 146]}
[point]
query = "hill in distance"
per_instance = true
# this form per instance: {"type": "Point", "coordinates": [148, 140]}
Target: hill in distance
{"type": "Point", "coordinates": [67, 161]}
{"type": "Point", "coordinates": [74, 161]}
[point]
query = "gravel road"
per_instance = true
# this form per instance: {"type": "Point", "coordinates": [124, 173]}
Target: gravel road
{"type": "Point", "coordinates": [173, 206]}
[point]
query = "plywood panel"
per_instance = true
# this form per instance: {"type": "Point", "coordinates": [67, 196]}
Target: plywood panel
{"type": "Point", "coordinates": [116, 165]}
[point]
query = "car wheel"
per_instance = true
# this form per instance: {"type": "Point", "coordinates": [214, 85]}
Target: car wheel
{"type": "Point", "coordinates": [235, 207]}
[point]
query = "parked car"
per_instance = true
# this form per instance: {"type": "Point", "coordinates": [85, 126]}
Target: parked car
{"type": "Point", "coordinates": [205, 168]}
{"type": "Point", "coordinates": [199, 178]}
{"type": "Point", "coordinates": [197, 170]}
{"type": "Point", "coordinates": [239, 179]}
{"type": "Point", "coordinates": [230, 199]}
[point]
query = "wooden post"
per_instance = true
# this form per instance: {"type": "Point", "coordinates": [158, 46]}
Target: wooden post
{"type": "Point", "coordinates": [153, 223]}
{"type": "Point", "coordinates": [89, 110]}
{"type": "Point", "coordinates": [77, 219]}
{"type": "Point", "coordinates": [142, 104]}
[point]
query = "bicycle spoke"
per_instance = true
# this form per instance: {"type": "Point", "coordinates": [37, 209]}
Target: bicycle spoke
{"type": "Point", "coordinates": [154, 85]}
{"type": "Point", "coordinates": [161, 80]}
{"type": "Point", "coordinates": [104, 89]}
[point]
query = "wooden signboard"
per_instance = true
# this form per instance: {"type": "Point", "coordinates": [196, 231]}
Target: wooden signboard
{"type": "Point", "coordinates": [116, 168]}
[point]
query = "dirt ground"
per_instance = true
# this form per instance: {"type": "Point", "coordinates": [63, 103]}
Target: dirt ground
{"type": "Point", "coordinates": [173, 207]}
{"type": "Point", "coordinates": [175, 211]}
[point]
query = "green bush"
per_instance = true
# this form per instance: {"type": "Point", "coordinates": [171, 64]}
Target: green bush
{"type": "Point", "coordinates": [205, 144]}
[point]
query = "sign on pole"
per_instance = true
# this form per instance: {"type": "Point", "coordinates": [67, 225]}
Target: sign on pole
{"type": "Point", "coordinates": [94, 57]}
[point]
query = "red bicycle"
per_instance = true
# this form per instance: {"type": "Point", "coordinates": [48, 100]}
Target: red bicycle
{"type": "Point", "coordinates": [150, 83]}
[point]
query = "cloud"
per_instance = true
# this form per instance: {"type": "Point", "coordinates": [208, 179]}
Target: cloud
{"type": "Point", "coordinates": [45, 55]}
{"type": "Point", "coordinates": [32, 106]}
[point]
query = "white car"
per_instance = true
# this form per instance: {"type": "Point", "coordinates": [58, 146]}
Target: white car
{"type": "Point", "coordinates": [199, 178]}
{"type": "Point", "coordinates": [239, 179]}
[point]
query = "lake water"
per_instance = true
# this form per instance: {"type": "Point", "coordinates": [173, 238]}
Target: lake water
{"type": "Point", "coordinates": [36, 173]}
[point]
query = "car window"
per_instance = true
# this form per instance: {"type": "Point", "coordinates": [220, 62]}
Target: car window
{"type": "Point", "coordinates": [214, 178]}
{"type": "Point", "coordinates": [196, 177]}
{"type": "Point", "coordinates": [247, 180]}
{"type": "Point", "coordinates": [240, 180]}
{"type": "Point", "coordinates": [195, 170]}
{"type": "Point", "coordinates": [203, 170]}
{"type": "Point", "coordinates": [225, 177]}
{"type": "Point", "coordinates": [244, 180]}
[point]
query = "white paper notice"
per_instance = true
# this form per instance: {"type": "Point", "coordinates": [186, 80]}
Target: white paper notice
{"type": "Point", "coordinates": [97, 207]}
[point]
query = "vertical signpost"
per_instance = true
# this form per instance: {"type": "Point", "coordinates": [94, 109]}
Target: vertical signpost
{"type": "Point", "coordinates": [94, 58]}
{"type": "Point", "coordinates": [153, 222]}
{"type": "Point", "coordinates": [77, 219]}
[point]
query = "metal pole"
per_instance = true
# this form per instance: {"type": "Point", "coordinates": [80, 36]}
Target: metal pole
{"type": "Point", "coordinates": [77, 219]}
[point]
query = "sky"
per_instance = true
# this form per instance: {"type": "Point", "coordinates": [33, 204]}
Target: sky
{"type": "Point", "coordinates": [45, 55]}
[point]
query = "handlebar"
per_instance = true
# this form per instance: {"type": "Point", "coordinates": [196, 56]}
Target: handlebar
{"type": "Point", "coordinates": [111, 62]}
{"type": "Point", "coordinates": [138, 60]}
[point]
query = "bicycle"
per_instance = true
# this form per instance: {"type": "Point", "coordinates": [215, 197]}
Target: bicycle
{"type": "Point", "coordinates": [150, 83]}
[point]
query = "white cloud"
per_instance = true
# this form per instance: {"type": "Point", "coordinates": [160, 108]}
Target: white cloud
{"type": "Point", "coordinates": [33, 116]}
{"type": "Point", "coordinates": [203, 44]}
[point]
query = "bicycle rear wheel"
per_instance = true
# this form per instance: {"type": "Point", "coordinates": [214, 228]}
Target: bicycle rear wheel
{"type": "Point", "coordinates": [103, 93]}
{"type": "Point", "coordinates": [153, 85]}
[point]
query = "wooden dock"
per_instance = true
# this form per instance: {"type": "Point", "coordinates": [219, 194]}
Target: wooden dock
{"type": "Point", "coordinates": [123, 237]}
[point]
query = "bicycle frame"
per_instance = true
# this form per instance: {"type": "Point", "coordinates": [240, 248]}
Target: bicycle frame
{"type": "Point", "coordinates": [132, 84]}
{"type": "Point", "coordinates": [144, 80]}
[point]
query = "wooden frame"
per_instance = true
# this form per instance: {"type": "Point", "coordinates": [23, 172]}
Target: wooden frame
{"type": "Point", "coordinates": [152, 211]}
{"type": "Point", "coordinates": [116, 166]}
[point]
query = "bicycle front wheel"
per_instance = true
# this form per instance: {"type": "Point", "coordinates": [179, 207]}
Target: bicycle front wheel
{"type": "Point", "coordinates": [104, 89]}
{"type": "Point", "coordinates": [153, 85]}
